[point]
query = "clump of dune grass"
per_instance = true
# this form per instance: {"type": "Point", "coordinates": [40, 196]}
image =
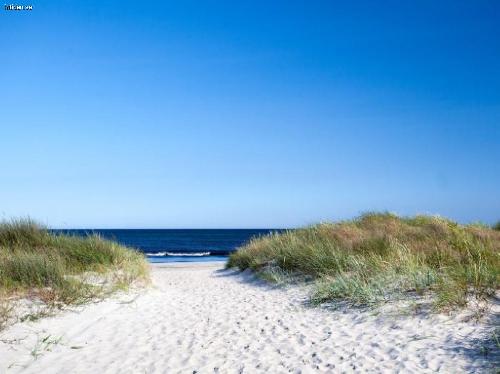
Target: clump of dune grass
{"type": "Point", "coordinates": [381, 257]}
{"type": "Point", "coordinates": [62, 269]}
{"type": "Point", "coordinates": [496, 226]}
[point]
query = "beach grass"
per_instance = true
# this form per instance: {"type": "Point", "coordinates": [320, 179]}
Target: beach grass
{"type": "Point", "coordinates": [59, 269]}
{"type": "Point", "coordinates": [380, 257]}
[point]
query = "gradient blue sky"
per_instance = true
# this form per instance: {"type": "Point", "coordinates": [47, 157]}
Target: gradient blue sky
{"type": "Point", "coordinates": [248, 114]}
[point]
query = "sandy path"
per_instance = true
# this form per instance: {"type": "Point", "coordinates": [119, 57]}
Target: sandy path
{"type": "Point", "coordinates": [200, 318]}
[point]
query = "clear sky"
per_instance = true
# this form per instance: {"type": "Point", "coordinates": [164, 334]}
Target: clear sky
{"type": "Point", "coordinates": [248, 114]}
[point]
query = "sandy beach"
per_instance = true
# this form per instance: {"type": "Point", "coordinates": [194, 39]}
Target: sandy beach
{"type": "Point", "coordinates": [200, 318]}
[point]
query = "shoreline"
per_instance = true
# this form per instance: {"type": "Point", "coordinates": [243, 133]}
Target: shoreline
{"type": "Point", "coordinates": [201, 317]}
{"type": "Point", "coordinates": [184, 260]}
{"type": "Point", "coordinates": [188, 265]}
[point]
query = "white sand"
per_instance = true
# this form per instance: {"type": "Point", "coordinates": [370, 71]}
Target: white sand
{"type": "Point", "coordinates": [204, 319]}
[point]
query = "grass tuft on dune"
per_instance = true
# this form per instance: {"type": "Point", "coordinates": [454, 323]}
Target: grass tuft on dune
{"type": "Point", "coordinates": [381, 257]}
{"type": "Point", "coordinates": [59, 269]}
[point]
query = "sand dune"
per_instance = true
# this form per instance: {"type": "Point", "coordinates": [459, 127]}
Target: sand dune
{"type": "Point", "coordinates": [200, 318]}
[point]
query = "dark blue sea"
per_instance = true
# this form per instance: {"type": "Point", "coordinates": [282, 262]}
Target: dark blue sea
{"type": "Point", "coordinates": [175, 245]}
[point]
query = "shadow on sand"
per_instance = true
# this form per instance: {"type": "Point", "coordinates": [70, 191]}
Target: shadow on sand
{"type": "Point", "coordinates": [484, 351]}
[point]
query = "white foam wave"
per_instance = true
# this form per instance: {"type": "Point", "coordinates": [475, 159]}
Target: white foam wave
{"type": "Point", "coordinates": [196, 254]}
{"type": "Point", "coordinates": [157, 254]}
{"type": "Point", "coordinates": [191, 254]}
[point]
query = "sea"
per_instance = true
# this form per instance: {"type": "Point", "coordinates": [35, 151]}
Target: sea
{"type": "Point", "coordinates": [179, 245]}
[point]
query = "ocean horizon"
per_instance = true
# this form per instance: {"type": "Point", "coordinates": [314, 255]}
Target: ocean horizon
{"type": "Point", "coordinates": [178, 245]}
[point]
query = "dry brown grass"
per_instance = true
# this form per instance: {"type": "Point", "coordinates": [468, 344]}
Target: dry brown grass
{"type": "Point", "coordinates": [382, 256]}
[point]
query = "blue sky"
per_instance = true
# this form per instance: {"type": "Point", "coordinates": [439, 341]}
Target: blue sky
{"type": "Point", "coordinates": [248, 114]}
